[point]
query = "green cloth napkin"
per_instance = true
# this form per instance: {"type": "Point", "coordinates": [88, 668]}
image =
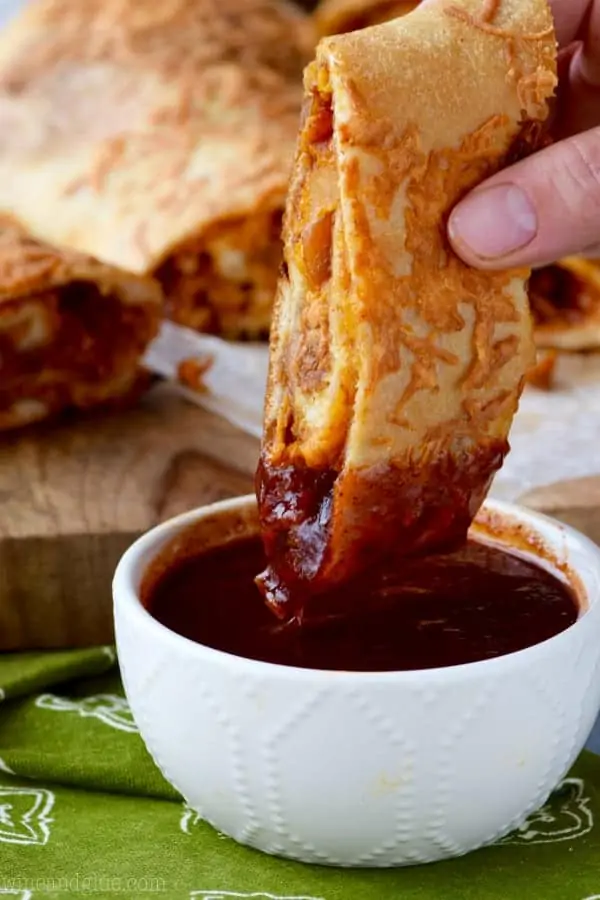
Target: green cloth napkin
{"type": "Point", "coordinates": [84, 812]}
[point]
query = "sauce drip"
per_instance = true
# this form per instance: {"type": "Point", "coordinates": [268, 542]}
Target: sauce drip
{"type": "Point", "coordinates": [474, 603]}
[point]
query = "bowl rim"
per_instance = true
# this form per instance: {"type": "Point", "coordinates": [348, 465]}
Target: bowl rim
{"type": "Point", "coordinates": [140, 553]}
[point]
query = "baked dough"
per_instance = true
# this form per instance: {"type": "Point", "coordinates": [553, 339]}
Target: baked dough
{"type": "Point", "coordinates": [72, 330]}
{"type": "Point", "coordinates": [157, 136]}
{"type": "Point", "coordinates": [395, 369]}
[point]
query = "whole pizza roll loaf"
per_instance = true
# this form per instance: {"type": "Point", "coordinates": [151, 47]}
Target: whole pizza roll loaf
{"type": "Point", "coordinates": [157, 136]}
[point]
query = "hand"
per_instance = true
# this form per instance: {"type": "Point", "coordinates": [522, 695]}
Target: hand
{"type": "Point", "coordinates": [547, 206]}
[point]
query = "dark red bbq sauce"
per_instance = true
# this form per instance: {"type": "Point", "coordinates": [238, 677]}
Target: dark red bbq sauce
{"type": "Point", "coordinates": [475, 603]}
{"type": "Point", "coordinates": [417, 512]}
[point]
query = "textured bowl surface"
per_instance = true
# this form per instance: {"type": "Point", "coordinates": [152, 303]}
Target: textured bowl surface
{"type": "Point", "coordinates": [356, 769]}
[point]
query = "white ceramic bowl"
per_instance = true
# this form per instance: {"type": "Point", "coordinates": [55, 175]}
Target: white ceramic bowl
{"type": "Point", "coordinates": [355, 769]}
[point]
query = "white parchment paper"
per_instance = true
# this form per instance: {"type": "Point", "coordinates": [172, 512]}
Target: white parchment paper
{"type": "Point", "coordinates": [235, 380]}
{"type": "Point", "coordinates": [555, 436]}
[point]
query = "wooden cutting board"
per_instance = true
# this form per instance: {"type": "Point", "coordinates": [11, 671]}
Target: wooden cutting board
{"type": "Point", "coordinates": [73, 497]}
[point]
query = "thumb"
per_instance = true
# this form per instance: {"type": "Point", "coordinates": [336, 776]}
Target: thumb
{"type": "Point", "coordinates": [535, 212]}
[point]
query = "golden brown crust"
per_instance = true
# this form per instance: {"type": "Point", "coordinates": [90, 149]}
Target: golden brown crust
{"type": "Point", "coordinates": [72, 331]}
{"type": "Point", "coordinates": [127, 128]}
{"type": "Point", "coordinates": [398, 363]}
{"type": "Point", "coordinates": [341, 16]}
{"type": "Point", "coordinates": [28, 266]}
{"type": "Point", "coordinates": [565, 300]}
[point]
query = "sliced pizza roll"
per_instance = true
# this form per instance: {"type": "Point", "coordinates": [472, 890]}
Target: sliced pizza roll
{"type": "Point", "coordinates": [72, 330]}
{"type": "Point", "coordinates": [565, 301]}
{"type": "Point", "coordinates": [395, 369]}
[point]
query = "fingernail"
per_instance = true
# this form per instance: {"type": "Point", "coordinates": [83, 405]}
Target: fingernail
{"type": "Point", "coordinates": [494, 222]}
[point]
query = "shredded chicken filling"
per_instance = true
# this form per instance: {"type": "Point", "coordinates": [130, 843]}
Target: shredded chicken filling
{"type": "Point", "coordinates": [225, 282]}
{"type": "Point", "coordinates": [55, 344]}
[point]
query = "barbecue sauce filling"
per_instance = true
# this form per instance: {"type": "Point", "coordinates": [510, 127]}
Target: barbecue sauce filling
{"type": "Point", "coordinates": [224, 282]}
{"type": "Point", "coordinates": [91, 339]}
{"type": "Point", "coordinates": [475, 603]}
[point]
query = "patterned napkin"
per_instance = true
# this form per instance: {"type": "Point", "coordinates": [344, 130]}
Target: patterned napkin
{"type": "Point", "coordinates": [85, 813]}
